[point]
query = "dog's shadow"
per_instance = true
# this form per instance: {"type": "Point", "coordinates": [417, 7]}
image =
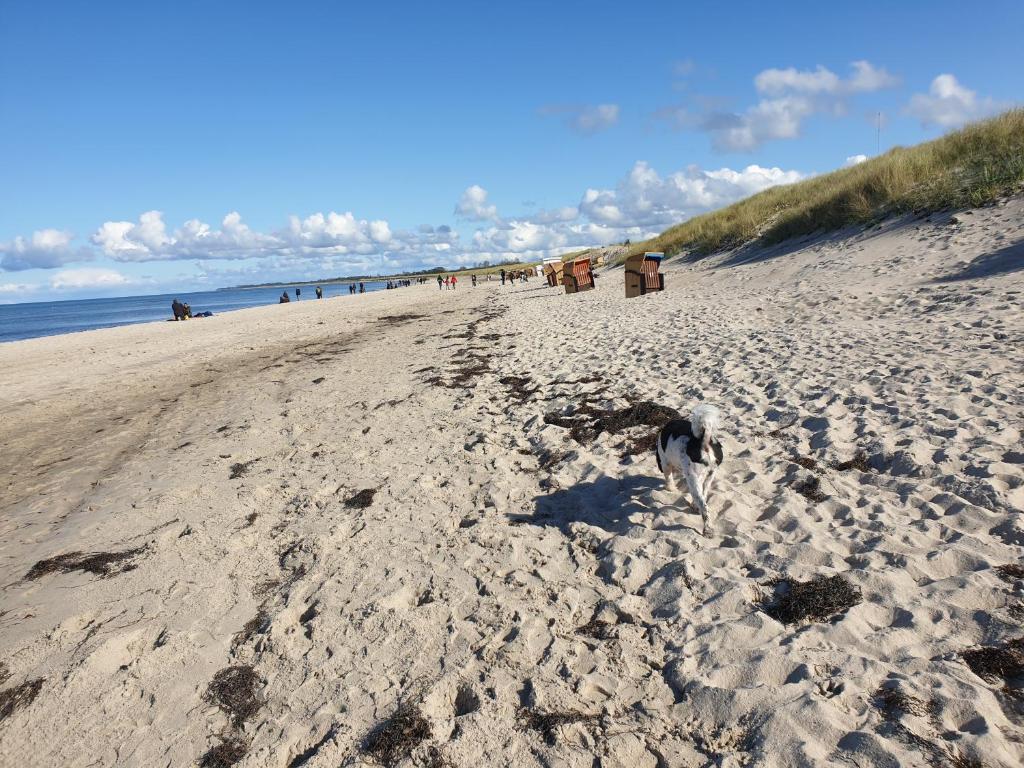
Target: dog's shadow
{"type": "Point", "coordinates": [608, 503]}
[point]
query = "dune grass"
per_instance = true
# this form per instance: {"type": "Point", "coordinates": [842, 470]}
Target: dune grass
{"type": "Point", "coordinates": [966, 168]}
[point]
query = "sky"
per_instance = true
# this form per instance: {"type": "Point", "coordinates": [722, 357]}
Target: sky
{"type": "Point", "coordinates": [152, 147]}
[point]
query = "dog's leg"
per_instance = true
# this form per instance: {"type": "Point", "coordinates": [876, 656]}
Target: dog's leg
{"type": "Point", "coordinates": [694, 484]}
{"type": "Point", "coordinates": [709, 482]}
{"type": "Point", "coordinates": [670, 479]}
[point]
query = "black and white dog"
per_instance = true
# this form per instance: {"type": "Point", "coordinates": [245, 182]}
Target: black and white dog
{"type": "Point", "coordinates": [690, 449]}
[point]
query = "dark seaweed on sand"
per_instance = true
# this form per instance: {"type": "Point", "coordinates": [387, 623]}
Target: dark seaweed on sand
{"type": "Point", "coordinates": [1010, 572]}
{"type": "Point", "coordinates": [858, 462]}
{"type": "Point", "coordinates": [241, 469]}
{"type": "Point", "coordinates": [18, 697]}
{"type": "Point", "coordinates": [228, 752]}
{"type": "Point", "coordinates": [548, 723]}
{"type": "Point", "coordinates": [235, 690]}
{"type": "Point", "coordinates": [100, 563]}
{"type": "Point", "coordinates": [819, 599]}
{"type": "Point", "coordinates": [587, 423]}
{"type": "Point", "coordinates": [361, 500]}
{"type": "Point", "coordinates": [393, 740]}
{"type": "Point", "coordinates": [810, 489]}
{"type": "Point", "coordinates": [994, 663]}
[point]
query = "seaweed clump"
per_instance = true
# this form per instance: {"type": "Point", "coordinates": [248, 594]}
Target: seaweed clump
{"type": "Point", "coordinates": [361, 500]}
{"type": "Point", "coordinates": [548, 723]}
{"type": "Point", "coordinates": [587, 423]}
{"type": "Point", "coordinates": [234, 690]}
{"type": "Point", "coordinates": [229, 751]}
{"type": "Point", "coordinates": [18, 697]}
{"type": "Point", "coordinates": [993, 663]}
{"type": "Point", "coordinates": [393, 740]}
{"type": "Point", "coordinates": [819, 599]}
{"type": "Point", "coordinates": [99, 563]}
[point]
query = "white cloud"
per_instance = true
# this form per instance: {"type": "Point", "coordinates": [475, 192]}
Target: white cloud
{"type": "Point", "coordinates": [585, 119]}
{"type": "Point", "coordinates": [788, 97]}
{"type": "Point", "coordinates": [854, 160]}
{"type": "Point", "coordinates": [473, 205]}
{"type": "Point", "coordinates": [867, 77]}
{"type": "Point", "coordinates": [46, 249]}
{"type": "Point", "coordinates": [88, 277]}
{"type": "Point", "coordinates": [948, 104]}
{"type": "Point", "coordinates": [643, 203]}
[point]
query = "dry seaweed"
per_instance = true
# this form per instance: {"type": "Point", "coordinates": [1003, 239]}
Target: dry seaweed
{"type": "Point", "coordinates": [1010, 572]}
{"type": "Point", "coordinates": [858, 462]}
{"type": "Point", "coordinates": [235, 690]}
{"type": "Point", "coordinates": [599, 629]}
{"type": "Point", "coordinates": [810, 489]}
{"type": "Point", "coordinates": [18, 697]}
{"type": "Point", "coordinates": [548, 723]}
{"type": "Point", "coordinates": [993, 663]}
{"type": "Point", "coordinates": [229, 751]}
{"type": "Point", "coordinates": [587, 423]}
{"type": "Point", "coordinates": [819, 599]}
{"type": "Point", "coordinates": [398, 319]}
{"type": "Point", "coordinates": [100, 563]}
{"type": "Point", "coordinates": [241, 469]}
{"type": "Point", "coordinates": [806, 462]}
{"type": "Point", "coordinates": [393, 740]}
{"type": "Point", "coordinates": [893, 703]}
{"type": "Point", "coordinates": [257, 625]}
{"type": "Point", "coordinates": [519, 386]}
{"type": "Point", "coordinates": [361, 500]}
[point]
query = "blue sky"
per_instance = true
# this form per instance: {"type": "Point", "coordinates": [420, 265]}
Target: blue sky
{"type": "Point", "coordinates": [149, 147]}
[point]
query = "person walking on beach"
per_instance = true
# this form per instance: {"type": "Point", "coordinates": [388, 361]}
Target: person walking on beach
{"type": "Point", "coordinates": [362, 288]}
{"type": "Point", "coordinates": [298, 292]}
{"type": "Point", "coordinates": [473, 278]}
{"type": "Point", "coordinates": [319, 292]}
{"type": "Point", "coordinates": [284, 298]}
{"type": "Point", "coordinates": [439, 281]}
{"type": "Point", "coordinates": [454, 281]}
{"type": "Point", "coordinates": [503, 277]}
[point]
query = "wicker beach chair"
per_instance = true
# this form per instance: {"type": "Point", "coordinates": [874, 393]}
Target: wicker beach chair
{"type": "Point", "coordinates": [642, 275]}
{"type": "Point", "coordinates": [577, 276]}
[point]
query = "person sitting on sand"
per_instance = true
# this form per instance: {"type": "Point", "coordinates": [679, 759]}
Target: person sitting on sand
{"type": "Point", "coordinates": [284, 298]}
{"type": "Point", "coordinates": [178, 309]}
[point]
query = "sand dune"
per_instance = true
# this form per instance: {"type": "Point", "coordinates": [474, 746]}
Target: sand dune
{"type": "Point", "coordinates": [330, 512]}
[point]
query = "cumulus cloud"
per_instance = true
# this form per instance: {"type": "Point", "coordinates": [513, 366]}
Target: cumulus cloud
{"type": "Point", "coordinates": [88, 277]}
{"type": "Point", "coordinates": [788, 97]}
{"type": "Point", "coordinates": [45, 249]}
{"type": "Point", "coordinates": [948, 104]}
{"type": "Point", "coordinates": [585, 119]}
{"type": "Point", "coordinates": [643, 203]}
{"type": "Point", "coordinates": [854, 160]}
{"type": "Point", "coordinates": [473, 205]}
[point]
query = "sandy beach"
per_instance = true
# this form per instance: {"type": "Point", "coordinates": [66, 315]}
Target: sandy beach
{"type": "Point", "coordinates": [306, 518]}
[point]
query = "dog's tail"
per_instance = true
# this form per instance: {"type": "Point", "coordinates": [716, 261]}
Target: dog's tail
{"type": "Point", "coordinates": [705, 421]}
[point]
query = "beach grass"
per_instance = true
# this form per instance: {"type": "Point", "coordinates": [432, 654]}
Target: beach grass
{"type": "Point", "coordinates": [966, 168]}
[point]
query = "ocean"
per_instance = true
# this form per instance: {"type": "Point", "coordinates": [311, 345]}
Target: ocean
{"type": "Point", "coordinates": [48, 318]}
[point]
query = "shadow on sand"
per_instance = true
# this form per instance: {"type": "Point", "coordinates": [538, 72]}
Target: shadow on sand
{"type": "Point", "coordinates": [607, 503]}
{"type": "Point", "coordinates": [1001, 262]}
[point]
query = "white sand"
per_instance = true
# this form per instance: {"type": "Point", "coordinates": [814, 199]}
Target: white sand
{"type": "Point", "coordinates": [473, 569]}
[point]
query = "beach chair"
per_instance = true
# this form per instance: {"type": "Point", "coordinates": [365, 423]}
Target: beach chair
{"type": "Point", "coordinates": [642, 275]}
{"type": "Point", "coordinates": [578, 276]}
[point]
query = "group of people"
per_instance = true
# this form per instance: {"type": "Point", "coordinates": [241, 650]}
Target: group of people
{"type": "Point", "coordinates": [397, 284]}
{"type": "Point", "coordinates": [447, 283]}
{"type": "Point", "coordinates": [181, 311]}
{"type": "Point", "coordinates": [513, 275]}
